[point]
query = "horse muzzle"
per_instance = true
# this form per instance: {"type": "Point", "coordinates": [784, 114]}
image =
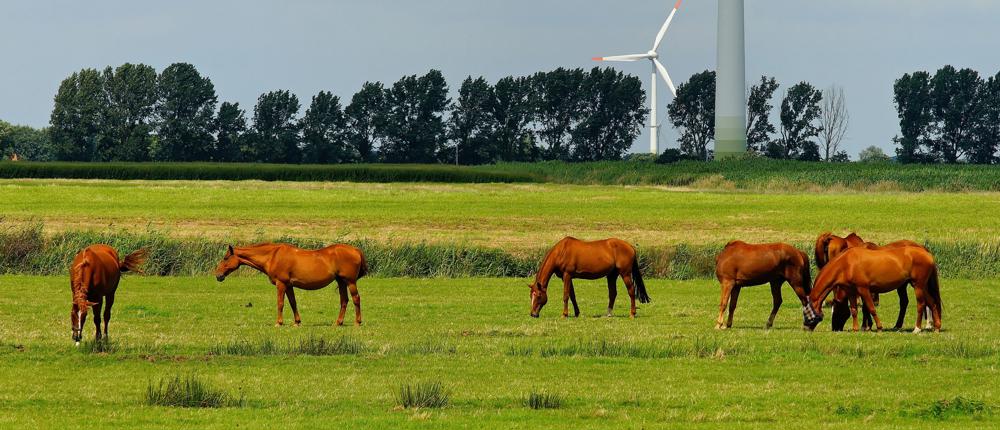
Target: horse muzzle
{"type": "Point", "coordinates": [220, 278]}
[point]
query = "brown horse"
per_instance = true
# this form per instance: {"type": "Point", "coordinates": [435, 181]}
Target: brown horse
{"type": "Point", "coordinates": [828, 247]}
{"type": "Point", "coordinates": [745, 265]}
{"type": "Point", "coordinates": [573, 258]}
{"type": "Point", "coordinates": [289, 267]}
{"type": "Point", "coordinates": [94, 278]}
{"type": "Point", "coordinates": [861, 271]}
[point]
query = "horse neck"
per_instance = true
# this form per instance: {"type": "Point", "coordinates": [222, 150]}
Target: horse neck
{"type": "Point", "coordinates": [545, 271]}
{"type": "Point", "coordinates": [822, 288]}
{"type": "Point", "coordinates": [256, 257]}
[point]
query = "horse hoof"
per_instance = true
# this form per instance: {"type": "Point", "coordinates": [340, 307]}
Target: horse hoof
{"type": "Point", "coordinates": [297, 324]}
{"type": "Point", "coordinates": [357, 323]}
{"type": "Point", "coordinates": [917, 330]}
{"type": "Point", "coordinates": [339, 323]}
{"type": "Point", "coordinates": [279, 324]}
{"type": "Point", "coordinates": [77, 344]}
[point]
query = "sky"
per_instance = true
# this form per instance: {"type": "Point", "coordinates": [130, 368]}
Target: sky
{"type": "Point", "coordinates": [248, 47]}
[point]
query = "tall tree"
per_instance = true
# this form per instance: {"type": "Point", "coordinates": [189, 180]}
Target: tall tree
{"type": "Point", "coordinates": [471, 125]}
{"type": "Point", "coordinates": [131, 99]}
{"type": "Point", "coordinates": [692, 113]}
{"type": "Point", "coordinates": [275, 136]}
{"type": "Point", "coordinates": [77, 118]}
{"type": "Point", "coordinates": [185, 114]}
{"type": "Point", "coordinates": [987, 129]}
{"type": "Point", "coordinates": [366, 117]}
{"type": "Point", "coordinates": [611, 115]}
{"type": "Point", "coordinates": [415, 128]}
{"type": "Point", "coordinates": [28, 143]}
{"type": "Point", "coordinates": [833, 122]}
{"type": "Point", "coordinates": [230, 127]}
{"type": "Point", "coordinates": [955, 94]}
{"type": "Point", "coordinates": [759, 126]}
{"type": "Point", "coordinates": [558, 99]}
{"type": "Point", "coordinates": [800, 112]}
{"type": "Point", "coordinates": [513, 113]}
{"type": "Point", "coordinates": [324, 132]}
{"type": "Point", "coordinates": [912, 95]}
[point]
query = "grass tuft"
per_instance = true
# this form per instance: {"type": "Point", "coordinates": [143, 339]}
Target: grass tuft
{"type": "Point", "coordinates": [189, 392]}
{"type": "Point", "coordinates": [423, 395]}
{"type": "Point", "coordinates": [957, 407]}
{"type": "Point", "coordinates": [543, 400]}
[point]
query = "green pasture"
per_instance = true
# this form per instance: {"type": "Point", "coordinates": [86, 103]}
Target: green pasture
{"type": "Point", "coordinates": [667, 368]}
{"type": "Point", "coordinates": [513, 217]}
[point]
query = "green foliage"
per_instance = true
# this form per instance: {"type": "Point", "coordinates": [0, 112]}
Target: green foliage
{"type": "Point", "coordinates": [185, 115]}
{"type": "Point", "coordinates": [800, 112]}
{"type": "Point", "coordinates": [557, 98]}
{"type": "Point", "coordinates": [693, 113]}
{"type": "Point", "coordinates": [324, 128]}
{"type": "Point", "coordinates": [423, 395]}
{"type": "Point", "coordinates": [78, 116]}
{"type": "Point", "coordinates": [611, 116]}
{"type": "Point", "coordinates": [131, 91]}
{"type": "Point", "coordinates": [872, 154]}
{"type": "Point", "coordinates": [275, 135]}
{"type": "Point", "coordinates": [414, 122]}
{"type": "Point", "coordinates": [759, 126]}
{"type": "Point", "coordinates": [189, 392]}
{"type": "Point", "coordinates": [28, 143]}
{"type": "Point", "coordinates": [944, 409]}
{"type": "Point", "coordinates": [230, 127]}
{"type": "Point", "coordinates": [543, 400]}
{"type": "Point", "coordinates": [366, 120]}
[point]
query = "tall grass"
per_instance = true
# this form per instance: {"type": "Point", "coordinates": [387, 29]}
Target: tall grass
{"type": "Point", "coordinates": [423, 395]}
{"type": "Point", "coordinates": [189, 392]}
{"type": "Point", "coordinates": [543, 400]}
{"type": "Point", "coordinates": [27, 250]}
{"type": "Point", "coordinates": [312, 345]}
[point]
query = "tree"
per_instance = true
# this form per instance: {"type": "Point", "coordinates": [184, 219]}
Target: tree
{"type": "Point", "coordinates": [28, 143]}
{"type": "Point", "coordinates": [366, 117]}
{"type": "Point", "coordinates": [230, 126]}
{"type": "Point", "coordinates": [987, 128]}
{"type": "Point", "coordinates": [185, 115]}
{"type": "Point", "coordinates": [77, 120]}
{"type": "Point", "coordinates": [513, 113]}
{"type": "Point", "coordinates": [415, 129]}
{"type": "Point", "coordinates": [759, 126]}
{"type": "Point", "coordinates": [955, 95]}
{"type": "Point", "coordinates": [872, 154]}
{"type": "Point", "coordinates": [557, 102]}
{"type": "Point", "coordinates": [275, 136]}
{"type": "Point", "coordinates": [692, 112]}
{"type": "Point", "coordinates": [833, 121]}
{"type": "Point", "coordinates": [611, 115]}
{"type": "Point", "coordinates": [800, 112]}
{"type": "Point", "coordinates": [912, 95]}
{"type": "Point", "coordinates": [131, 92]}
{"type": "Point", "coordinates": [324, 132]}
{"type": "Point", "coordinates": [471, 125]}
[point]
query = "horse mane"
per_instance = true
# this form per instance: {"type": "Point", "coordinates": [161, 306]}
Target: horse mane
{"type": "Point", "coordinates": [80, 288]}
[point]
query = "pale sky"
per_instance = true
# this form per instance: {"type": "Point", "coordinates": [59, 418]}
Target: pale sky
{"type": "Point", "coordinates": [248, 47]}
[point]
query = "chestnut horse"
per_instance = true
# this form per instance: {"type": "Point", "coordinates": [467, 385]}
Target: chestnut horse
{"type": "Point", "coordinates": [573, 258]}
{"type": "Point", "coordinates": [94, 277]}
{"type": "Point", "coordinates": [828, 247]}
{"type": "Point", "coordinates": [745, 265]}
{"type": "Point", "coordinates": [289, 267]}
{"type": "Point", "coordinates": [862, 271]}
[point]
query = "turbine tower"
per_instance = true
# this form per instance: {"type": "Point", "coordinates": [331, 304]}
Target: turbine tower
{"type": "Point", "coordinates": [730, 89]}
{"type": "Point", "coordinates": [657, 66]}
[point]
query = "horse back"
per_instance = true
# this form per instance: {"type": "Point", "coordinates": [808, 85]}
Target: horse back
{"type": "Point", "coordinates": [757, 263]}
{"type": "Point", "coordinates": [97, 266]}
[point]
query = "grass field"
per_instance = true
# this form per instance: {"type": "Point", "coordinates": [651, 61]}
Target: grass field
{"type": "Point", "coordinates": [511, 217]}
{"type": "Point", "coordinates": [667, 368]}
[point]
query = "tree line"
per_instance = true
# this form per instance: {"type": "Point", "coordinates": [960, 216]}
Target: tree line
{"type": "Point", "coordinates": [133, 113]}
{"type": "Point", "coordinates": [812, 123]}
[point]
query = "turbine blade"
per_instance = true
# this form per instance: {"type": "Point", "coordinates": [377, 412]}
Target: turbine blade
{"type": "Point", "coordinates": [666, 25]}
{"type": "Point", "coordinates": [632, 57]}
{"type": "Point", "coordinates": [665, 76]}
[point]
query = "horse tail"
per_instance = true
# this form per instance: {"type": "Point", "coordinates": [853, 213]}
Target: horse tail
{"type": "Point", "coordinates": [806, 274]}
{"type": "Point", "coordinates": [134, 261]}
{"type": "Point", "coordinates": [640, 286]}
{"type": "Point", "coordinates": [934, 287]}
{"type": "Point", "coordinates": [363, 270]}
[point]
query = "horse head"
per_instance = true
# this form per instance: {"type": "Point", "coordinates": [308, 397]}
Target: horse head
{"type": "Point", "coordinates": [812, 314]}
{"type": "Point", "coordinates": [538, 297]}
{"type": "Point", "coordinates": [229, 263]}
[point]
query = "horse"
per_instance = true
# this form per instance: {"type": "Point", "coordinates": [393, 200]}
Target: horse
{"type": "Point", "coordinates": [828, 247]}
{"type": "Point", "coordinates": [94, 277]}
{"type": "Point", "coordinates": [862, 271]}
{"type": "Point", "coordinates": [289, 267]}
{"type": "Point", "coordinates": [741, 264]}
{"type": "Point", "coordinates": [573, 258]}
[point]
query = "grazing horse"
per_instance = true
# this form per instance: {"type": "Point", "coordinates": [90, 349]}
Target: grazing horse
{"type": "Point", "coordinates": [745, 265]}
{"type": "Point", "coordinates": [289, 267]}
{"type": "Point", "coordinates": [829, 247]}
{"type": "Point", "coordinates": [573, 258]}
{"type": "Point", "coordinates": [862, 271]}
{"type": "Point", "coordinates": [94, 277]}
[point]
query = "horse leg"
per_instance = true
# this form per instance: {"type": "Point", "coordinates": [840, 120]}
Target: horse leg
{"type": "Point", "coordinates": [97, 320]}
{"type": "Point", "coordinates": [281, 304]}
{"type": "Point", "coordinates": [866, 297]}
{"type": "Point", "coordinates": [727, 289]}
{"type": "Point", "coordinates": [572, 298]}
{"type": "Point", "coordinates": [295, 308]}
{"type": "Point", "coordinates": [342, 287]}
{"type": "Point", "coordinates": [776, 299]}
{"type": "Point", "coordinates": [630, 285]}
{"type": "Point", "coordinates": [612, 292]}
{"type": "Point", "coordinates": [567, 285]}
{"type": "Point", "coordinates": [904, 301]}
{"type": "Point", "coordinates": [853, 300]}
{"type": "Point", "coordinates": [110, 301]}
{"type": "Point", "coordinates": [732, 306]}
{"type": "Point", "coordinates": [356, 298]}
{"type": "Point", "coordinates": [921, 294]}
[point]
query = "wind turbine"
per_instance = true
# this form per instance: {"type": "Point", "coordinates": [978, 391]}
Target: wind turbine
{"type": "Point", "coordinates": [653, 57]}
